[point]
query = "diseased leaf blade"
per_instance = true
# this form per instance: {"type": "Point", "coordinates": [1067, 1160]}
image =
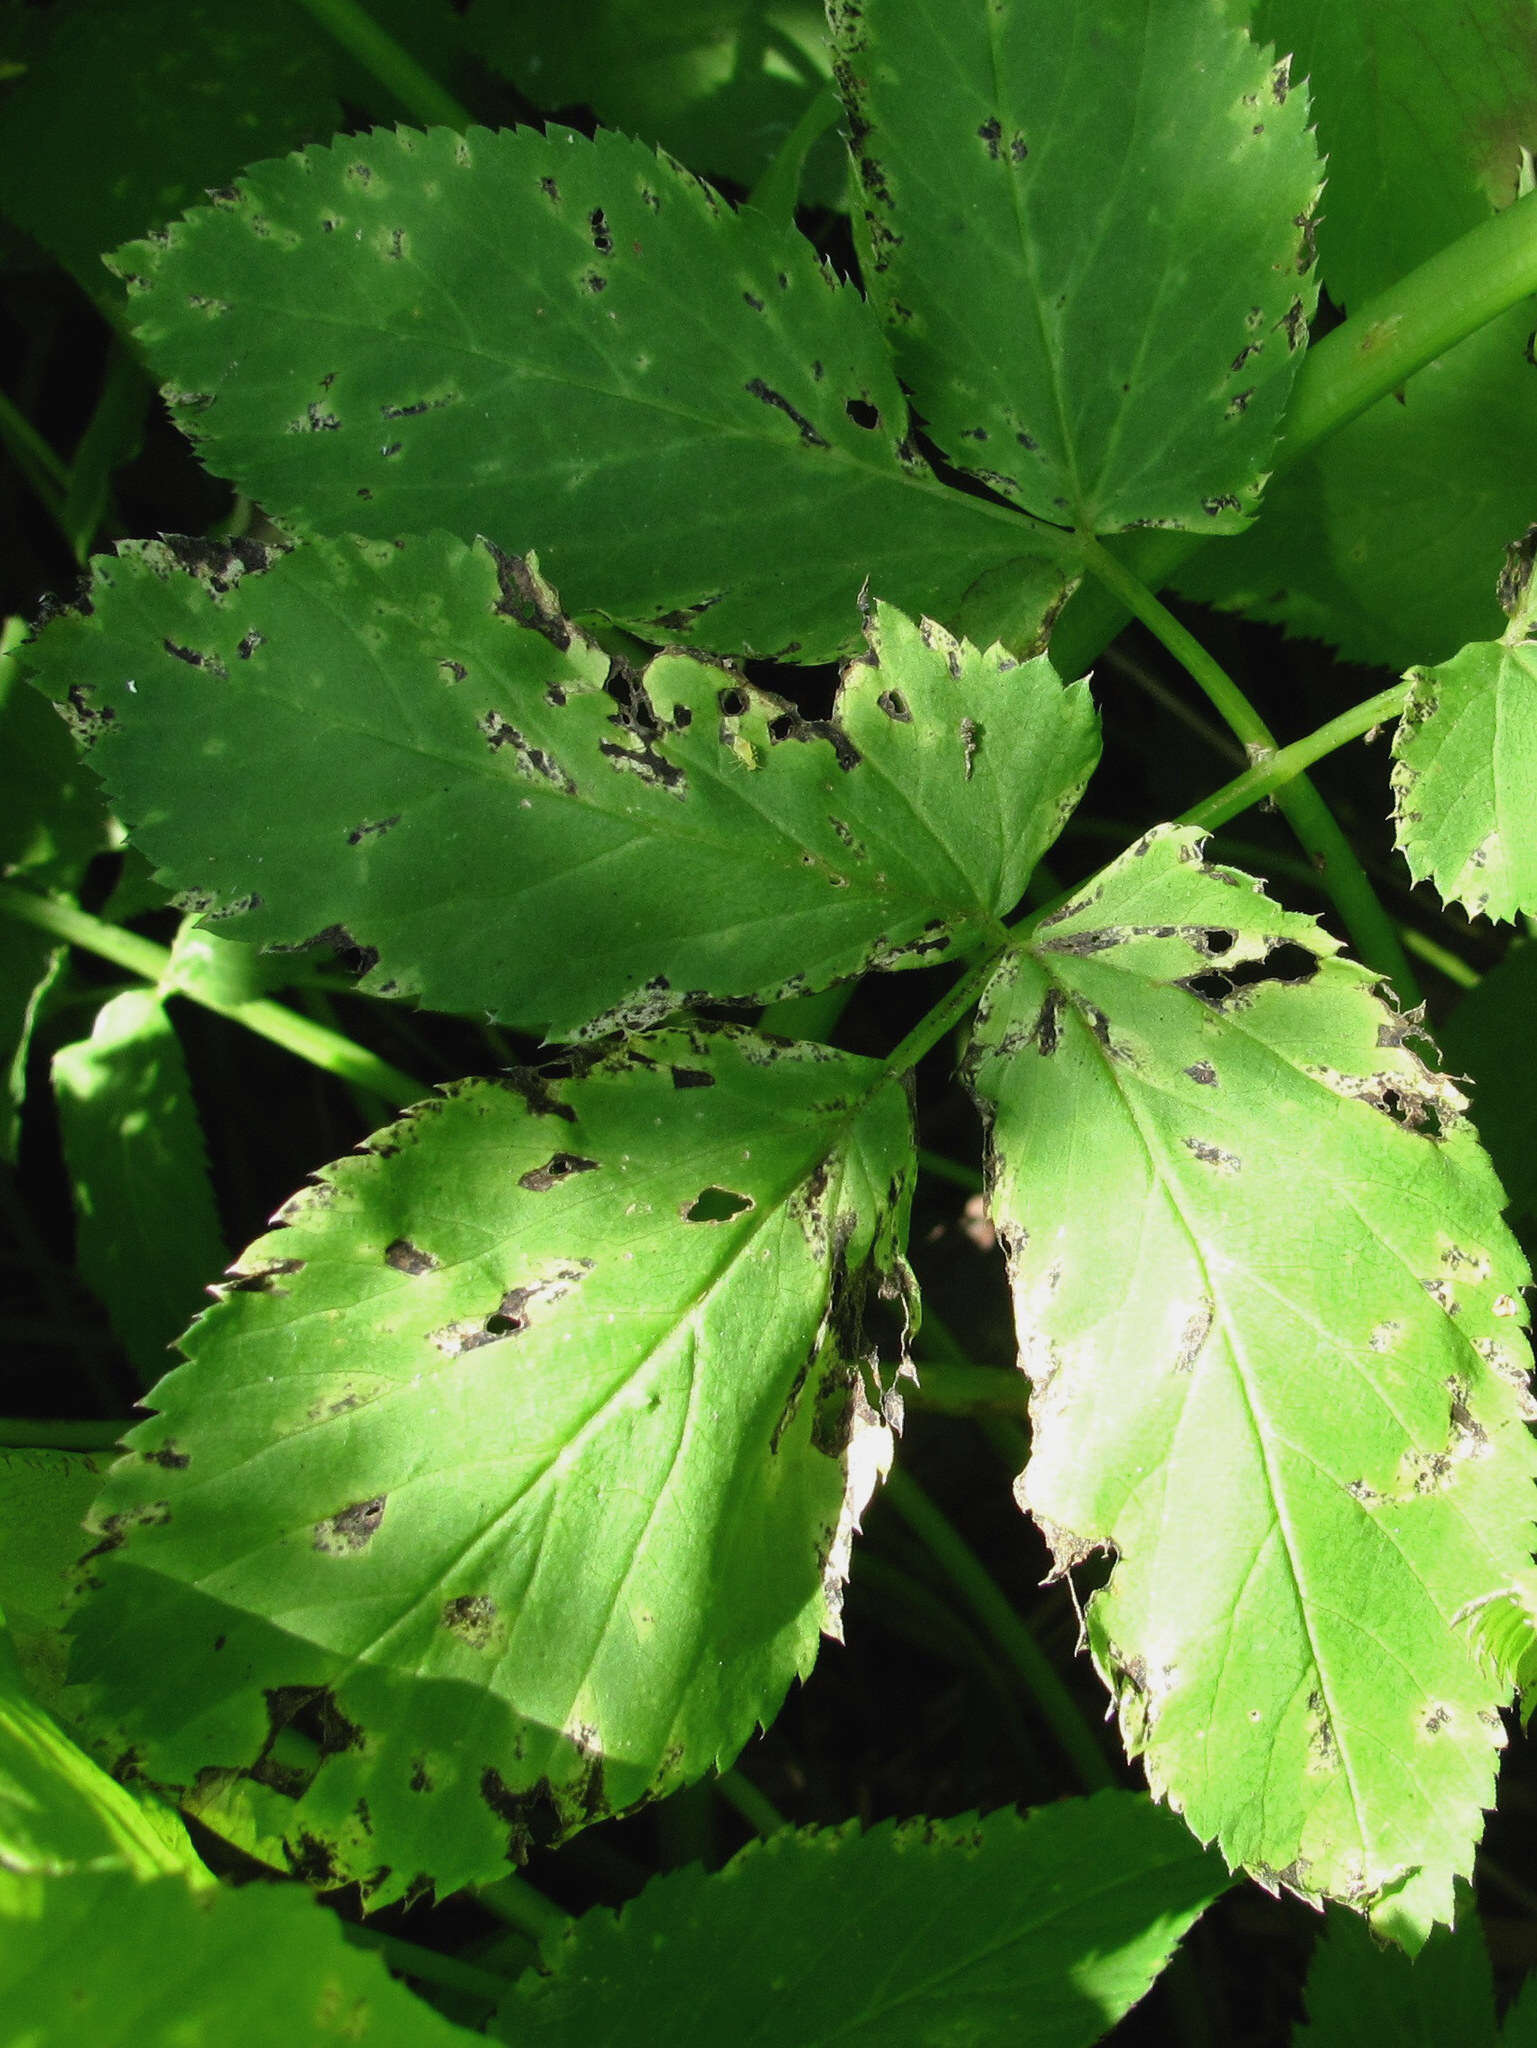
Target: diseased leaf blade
{"type": "Point", "coordinates": [1465, 776]}
{"type": "Point", "coordinates": [1273, 1323]}
{"type": "Point", "coordinates": [121, 1963]}
{"type": "Point", "coordinates": [514, 1481]}
{"type": "Point", "coordinates": [1422, 109]}
{"type": "Point", "coordinates": [1086, 229]}
{"type": "Point", "coordinates": [569, 346]}
{"type": "Point", "coordinates": [407, 743]}
{"type": "Point", "coordinates": [1067, 1914]}
{"type": "Point", "coordinates": [147, 1237]}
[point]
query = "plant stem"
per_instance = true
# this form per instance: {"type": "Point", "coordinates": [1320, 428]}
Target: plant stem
{"type": "Point", "coordinates": [947, 1012]}
{"type": "Point", "coordinates": [354, 28]}
{"type": "Point", "coordinates": [755, 1807]}
{"type": "Point", "coordinates": [1268, 777]}
{"type": "Point", "coordinates": [778, 190]}
{"type": "Point", "coordinates": [523, 1906]}
{"type": "Point", "coordinates": [310, 1041]}
{"type": "Point", "coordinates": [1450, 296]}
{"type": "Point", "coordinates": [26, 1433]}
{"type": "Point", "coordinates": [1369, 926]}
{"type": "Point", "coordinates": [1372, 354]}
{"type": "Point", "coordinates": [965, 1569]}
{"type": "Point", "coordinates": [952, 1170]}
{"type": "Point", "coordinates": [1441, 958]}
{"type": "Point", "coordinates": [427, 1965]}
{"type": "Point", "coordinates": [967, 1389]}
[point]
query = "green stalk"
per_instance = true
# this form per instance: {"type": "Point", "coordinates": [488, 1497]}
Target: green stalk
{"type": "Point", "coordinates": [308, 1040]}
{"type": "Point", "coordinates": [408, 1959]}
{"type": "Point", "coordinates": [1369, 356]}
{"type": "Point", "coordinates": [1269, 777]}
{"type": "Point", "coordinates": [968, 1177]}
{"type": "Point", "coordinates": [946, 1013]}
{"type": "Point", "coordinates": [25, 1433]}
{"type": "Point", "coordinates": [521, 1905]}
{"type": "Point", "coordinates": [755, 1807]}
{"type": "Point", "coordinates": [1370, 928]}
{"type": "Point", "coordinates": [969, 1575]}
{"type": "Point", "coordinates": [778, 190]}
{"type": "Point", "coordinates": [945, 1389]}
{"type": "Point", "coordinates": [354, 28]}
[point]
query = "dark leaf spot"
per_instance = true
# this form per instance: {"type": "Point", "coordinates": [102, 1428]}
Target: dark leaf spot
{"type": "Point", "coordinates": [351, 1529]}
{"type": "Point", "coordinates": [406, 1257]}
{"type": "Point", "coordinates": [558, 1167]}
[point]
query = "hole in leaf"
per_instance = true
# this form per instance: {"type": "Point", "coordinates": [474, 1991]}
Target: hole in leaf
{"type": "Point", "coordinates": [862, 413]}
{"type": "Point", "coordinates": [716, 1205]}
{"type": "Point", "coordinates": [732, 703]}
{"type": "Point", "coordinates": [1285, 963]}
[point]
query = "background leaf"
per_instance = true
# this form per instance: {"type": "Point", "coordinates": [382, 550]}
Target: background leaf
{"type": "Point", "coordinates": [131, 109]}
{"type": "Point", "coordinates": [43, 1499]}
{"type": "Point", "coordinates": [1353, 548]}
{"type": "Point", "coordinates": [1475, 1040]}
{"type": "Point", "coordinates": [676, 404]}
{"type": "Point", "coordinates": [122, 1964]}
{"type": "Point", "coordinates": [1422, 108]}
{"type": "Point", "coordinates": [515, 1477]}
{"type": "Point", "coordinates": [408, 744]}
{"type": "Point", "coordinates": [147, 1237]}
{"type": "Point", "coordinates": [1086, 228]}
{"type": "Point", "coordinates": [1272, 1319]}
{"type": "Point", "coordinates": [719, 83]}
{"type": "Point", "coordinates": [905, 1936]}
{"type": "Point", "coordinates": [1358, 1989]}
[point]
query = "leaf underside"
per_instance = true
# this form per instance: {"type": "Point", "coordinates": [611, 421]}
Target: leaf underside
{"type": "Point", "coordinates": [569, 346]}
{"type": "Point", "coordinates": [1272, 1319]}
{"type": "Point", "coordinates": [514, 1478]}
{"type": "Point", "coordinates": [1067, 1914]}
{"type": "Point", "coordinates": [1087, 229]}
{"type": "Point", "coordinates": [407, 748]}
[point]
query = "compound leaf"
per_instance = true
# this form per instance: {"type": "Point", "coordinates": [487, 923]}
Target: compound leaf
{"type": "Point", "coordinates": [1273, 1323]}
{"type": "Point", "coordinates": [1067, 1914]}
{"type": "Point", "coordinates": [147, 1237]}
{"type": "Point", "coordinates": [1465, 765]}
{"type": "Point", "coordinates": [407, 743]}
{"type": "Point", "coordinates": [567, 345]}
{"type": "Point", "coordinates": [1087, 228]}
{"type": "Point", "coordinates": [123, 1963]}
{"type": "Point", "coordinates": [515, 1477]}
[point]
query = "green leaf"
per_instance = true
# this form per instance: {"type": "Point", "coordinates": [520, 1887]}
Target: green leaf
{"type": "Point", "coordinates": [567, 345]}
{"type": "Point", "coordinates": [1066, 1914]}
{"type": "Point", "coordinates": [173, 96]}
{"type": "Point", "coordinates": [1520, 2028]}
{"type": "Point", "coordinates": [43, 1499]}
{"type": "Point", "coordinates": [1273, 1322]}
{"type": "Point", "coordinates": [719, 83]}
{"type": "Point", "coordinates": [1504, 1626]}
{"type": "Point", "coordinates": [60, 1812]}
{"type": "Point", "coordinates": [1476, 1040]}
{"type": "Point", "coordinates": [515, 1477]}
{"type": "Point", "coordinates": [118, 1963]}
{"type": "Point", "coordinates": [147, 1237]}
{"type": "Point", "coordinates": [1353, 548]}
{"type": "Point", "coordinates": [1358, 1990]}
{"type": "Point", "coordinates": [407, 742]}
{"type": "Point", "coordinates": [1086, 227]}
{"type": "Point", "coordinates": [1422, 107]}
{"type": "Point", "coordinates": [1465, 769]}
